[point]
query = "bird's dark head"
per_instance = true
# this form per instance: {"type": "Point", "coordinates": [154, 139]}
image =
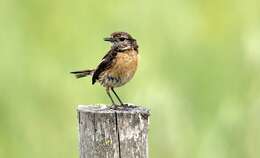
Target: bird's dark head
{"type": "Point", "coordinates": [122, 41]}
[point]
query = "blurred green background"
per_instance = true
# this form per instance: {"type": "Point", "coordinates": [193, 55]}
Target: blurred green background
{"type": "Point", "coordinates": [199, 74]}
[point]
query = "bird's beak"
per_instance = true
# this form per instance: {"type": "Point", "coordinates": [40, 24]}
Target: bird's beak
{"type": "Point", "coordinates": [109, 39]}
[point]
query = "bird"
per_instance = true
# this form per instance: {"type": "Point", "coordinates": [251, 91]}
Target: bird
{"type": "Point", "coordinates": [117, 67]}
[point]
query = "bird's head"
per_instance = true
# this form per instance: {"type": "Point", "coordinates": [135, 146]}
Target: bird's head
{"type": "Point", "coordinates": [122, 41]}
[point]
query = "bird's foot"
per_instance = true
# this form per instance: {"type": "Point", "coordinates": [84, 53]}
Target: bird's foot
{"type": "Point", "coordinates": [113, 107]}
{"type": "Point", "coordinates": [122, 107]}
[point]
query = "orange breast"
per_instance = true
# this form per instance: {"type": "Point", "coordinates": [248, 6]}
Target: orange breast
{"type": "Point", "coordinates": [123, 69]}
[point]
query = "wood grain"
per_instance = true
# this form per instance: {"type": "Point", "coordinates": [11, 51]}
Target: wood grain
{"type": "Point", "coordinates": [113, 133]}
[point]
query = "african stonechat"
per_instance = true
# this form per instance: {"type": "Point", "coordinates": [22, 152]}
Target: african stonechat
{"type": "Point", "coordinates": [118, 66]}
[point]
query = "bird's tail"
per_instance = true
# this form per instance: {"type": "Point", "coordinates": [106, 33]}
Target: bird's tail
{"type": "Point", "coordinates": [83, 73]}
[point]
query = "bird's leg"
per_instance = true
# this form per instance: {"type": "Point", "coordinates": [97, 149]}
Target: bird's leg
{"type": "Point", "coordinates": [122, 104]}
{"type": "Point", "coordinates": [108, 93]}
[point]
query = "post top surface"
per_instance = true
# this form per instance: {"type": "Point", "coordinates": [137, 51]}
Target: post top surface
{"type": "Point", "coordinates": [101, 108]}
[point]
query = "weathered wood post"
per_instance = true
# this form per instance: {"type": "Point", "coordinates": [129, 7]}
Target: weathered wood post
{"type": "Point", "coordinates": [108, 133]}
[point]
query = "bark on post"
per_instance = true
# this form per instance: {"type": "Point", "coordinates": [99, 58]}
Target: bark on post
{"type": "Point", "coordinates": [109, 133]}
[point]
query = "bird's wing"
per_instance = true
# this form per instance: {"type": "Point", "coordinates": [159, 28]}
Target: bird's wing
{"type": "Point", "coordinates": [106, 63]}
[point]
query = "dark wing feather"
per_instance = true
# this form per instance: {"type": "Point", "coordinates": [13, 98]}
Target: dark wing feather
{"type": "Point", "coordinates": [104, 65]}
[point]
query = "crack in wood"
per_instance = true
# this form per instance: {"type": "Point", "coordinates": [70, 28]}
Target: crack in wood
{"type": "Point", "coordinates": [118, 135]}
{"type": "Point", "coordinates": [113, 133]}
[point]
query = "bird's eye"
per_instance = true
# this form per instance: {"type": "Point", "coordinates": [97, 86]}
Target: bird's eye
{"type": "Point", "coordinates": [121, 39]}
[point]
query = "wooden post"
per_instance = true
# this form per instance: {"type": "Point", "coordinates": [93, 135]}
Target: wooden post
{"type": "Point", "coordinates": [108, 133]}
